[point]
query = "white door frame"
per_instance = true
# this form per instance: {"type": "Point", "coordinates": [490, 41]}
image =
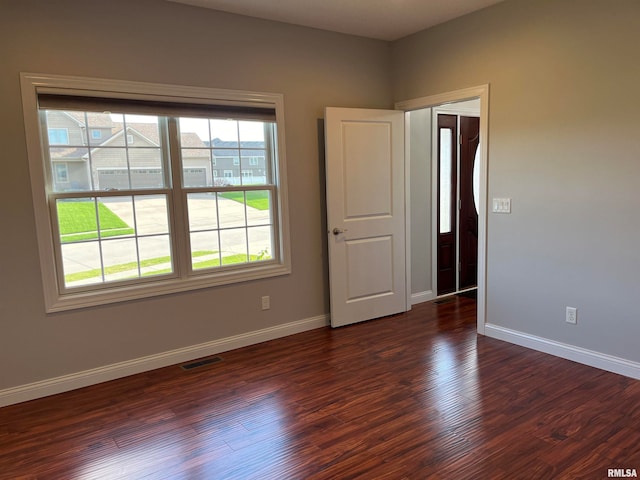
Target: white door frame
{"type": "Point", "coordinates": [481, 92]}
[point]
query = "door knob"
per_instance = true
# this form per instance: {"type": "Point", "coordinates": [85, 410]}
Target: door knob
{"type": "Point", "coordinates": [338, 231]}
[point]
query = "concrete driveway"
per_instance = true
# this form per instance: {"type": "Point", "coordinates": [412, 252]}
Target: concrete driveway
{"type": "Point", "coordinates": [225, 227]}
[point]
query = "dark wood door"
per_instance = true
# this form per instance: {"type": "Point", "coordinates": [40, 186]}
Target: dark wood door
{"type": "Point", "coordinates": [447, 203]}
{"type": "Point", "coordinates": [468, 223]}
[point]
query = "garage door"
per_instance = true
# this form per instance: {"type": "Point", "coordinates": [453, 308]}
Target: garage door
{"type": "Point", "coordinates": [194, 177]}
{"type": "Point", "coordinates": [118, 178]}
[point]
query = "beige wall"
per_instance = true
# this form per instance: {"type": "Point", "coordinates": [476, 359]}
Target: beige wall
{"type": "Point", "coordinates": [420, 185]}
{"type": "Point", "coordinates": [564, 145]}
{"type": "Point", "coordinates": [163, 42]}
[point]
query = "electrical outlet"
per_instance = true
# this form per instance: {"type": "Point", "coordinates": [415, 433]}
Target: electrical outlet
{"type": "Point", "coordinates": [572, 315]}
{"type": "Point", "coordinates": [266, 302]}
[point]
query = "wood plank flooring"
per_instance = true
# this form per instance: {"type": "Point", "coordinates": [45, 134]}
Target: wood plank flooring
{"type": "Point", "coordinates": [414, 396]}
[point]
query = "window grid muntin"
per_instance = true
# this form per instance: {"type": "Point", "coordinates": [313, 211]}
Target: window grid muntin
{"type": "Point", "coordinates": [241, 155]}
{"type": "Point", "coordinates": [94, 197]}
{"type": "Point", "coordinates": [34, 85]}
{"type": "Point", "coordinates": [272, 225]}
{"type": "Point", "coordinates": [96, 194]}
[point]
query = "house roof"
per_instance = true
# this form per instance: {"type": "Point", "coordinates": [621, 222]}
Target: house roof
{"type": "Point", "coordinates": [230, 148]}
{"type": "Point", "coordinates": [216, 142]}
{"type": "Point", "coordinates": [149, 131]}
{"type": "Point", "coordinates": [192, 145]}
{"type": "Point", "coordinates": [191, 140]}
{"type": "Point", "coordinates": [67, 153]}
{"type": "Point", "coordinates": [95, 119]}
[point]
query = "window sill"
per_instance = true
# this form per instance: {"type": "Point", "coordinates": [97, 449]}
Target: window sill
{"type": "Point", "coordinates": [122, 293]}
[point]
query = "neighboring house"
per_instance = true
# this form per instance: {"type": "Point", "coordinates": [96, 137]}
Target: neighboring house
{"type": "Point", "coordinates": [92, 149]}
{"type": "Point", "coordinates": [250, 165]}
{"type": "Point", "coordinates": [69, 167]}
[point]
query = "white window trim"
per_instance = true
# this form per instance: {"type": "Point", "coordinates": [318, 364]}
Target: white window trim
{"type": "Point", "coordinates": [33, 84]}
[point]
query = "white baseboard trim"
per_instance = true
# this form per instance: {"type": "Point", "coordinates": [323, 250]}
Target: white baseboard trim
{"type": "Point", "coordinates": [563, 350]}
{"type": "Point", "coordinates": [422, 297]}
{"type": "Point", "coordinates": [85, 378]}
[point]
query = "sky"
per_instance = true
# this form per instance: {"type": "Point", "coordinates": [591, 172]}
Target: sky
{"type": "Point", "coordinates": [226, 130]}
{"type": "Point", "coordinates": [223, 129]}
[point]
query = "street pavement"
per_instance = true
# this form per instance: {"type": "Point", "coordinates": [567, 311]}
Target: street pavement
{"type": "Point", "coordinates": [151, 221]}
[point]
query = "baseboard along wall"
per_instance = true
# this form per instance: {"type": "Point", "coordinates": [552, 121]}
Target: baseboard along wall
{"type": "Point", "coordinates": [422, 297]}
{"type": "Point", "coordinates": [94, 376]}
{"type": "Point", "coordinates": [563, 350]}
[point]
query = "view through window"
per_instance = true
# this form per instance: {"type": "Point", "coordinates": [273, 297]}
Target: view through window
{"type": "Point", "coordinates": [124, 231]}
{"type": "Point", "coordinates": [152, 192]}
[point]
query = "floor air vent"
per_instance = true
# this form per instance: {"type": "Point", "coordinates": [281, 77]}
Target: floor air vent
{"type": "Point", "coordinates": [201, 363]}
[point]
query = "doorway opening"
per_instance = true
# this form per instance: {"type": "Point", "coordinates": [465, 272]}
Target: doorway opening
{"type": "Point", "coordinates": [455, 164]}
{"type": "Point", "coordinates": [425, 217]}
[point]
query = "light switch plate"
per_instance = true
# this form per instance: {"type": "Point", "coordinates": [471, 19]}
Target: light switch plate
{"type": "Point", "coordinates": [501, 205]}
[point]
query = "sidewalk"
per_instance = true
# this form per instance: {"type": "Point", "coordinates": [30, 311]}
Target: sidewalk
{"type": "Point", "coordinates": [154, 242]}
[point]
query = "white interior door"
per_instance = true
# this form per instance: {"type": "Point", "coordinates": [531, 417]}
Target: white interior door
{"type": "Point", "coordinates": [365, 213]}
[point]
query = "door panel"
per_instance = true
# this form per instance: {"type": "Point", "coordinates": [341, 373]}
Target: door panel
{"type": "Point", "coordinates": [470, 132]}
{"type": "Point", "coordinates": [361, 285]}
{"type": "Point", "coordinates": [447, 203]}
{"type": "Point", "coordinates": [365, 213]}
{"type": "Point", "coordinates": [370, 141]}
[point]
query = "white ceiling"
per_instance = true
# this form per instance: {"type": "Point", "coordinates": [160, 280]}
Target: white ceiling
{"type": "Point", "coordinates": [382, 19]}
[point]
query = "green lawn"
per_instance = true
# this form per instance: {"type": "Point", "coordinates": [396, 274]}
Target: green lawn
{"type": "Point", "coordinates": [228, 260]}
{"type": "Point", "coordinates": [123, 267]}
{"type": "Point", "coordinates": [133, 266]}
{"type": "Point", "coordinates": [77, 221]}
{"type": "Point", "coordinates": [258, 199]}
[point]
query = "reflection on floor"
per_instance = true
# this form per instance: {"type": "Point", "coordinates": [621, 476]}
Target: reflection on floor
{"type": "Point", "coordinates": [415, 396]}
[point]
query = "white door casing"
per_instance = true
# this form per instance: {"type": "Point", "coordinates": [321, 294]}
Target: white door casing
{"type": "Point", "coordinates": [481, 92]}
{"type": "Point", "coordinates": [365, 213]}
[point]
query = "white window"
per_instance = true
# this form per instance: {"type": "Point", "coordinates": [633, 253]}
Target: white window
{"type": "Point", "coordinates": [61, 172]}
{"type": "Point", "coordinates": [236, 161]}
{"type": "Point", "coordinates": [150, 219]}
{"type": "Point", "coordinates": [58, 136]}
{"type": "Point", "coordinates": [96, 134]}
{"type": "Point", "coordinates": [253, 161]}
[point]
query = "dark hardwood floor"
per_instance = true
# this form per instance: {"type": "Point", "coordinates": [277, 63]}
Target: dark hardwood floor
{"type": "Point", "coordinates": [414, 396]}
